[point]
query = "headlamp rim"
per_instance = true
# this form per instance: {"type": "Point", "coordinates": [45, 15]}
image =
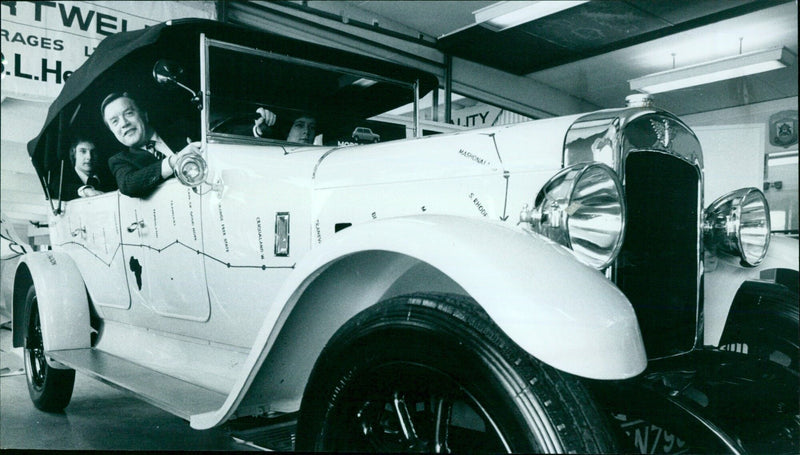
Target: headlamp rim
{"type": "Point", "coordinates": [741, 203]}
{"type": "Point", "coordinates": [729, 207]}
{"type": "Point", "coordinates": [580, 170]}
{"type": "Point", "coordinates": [615, 250]}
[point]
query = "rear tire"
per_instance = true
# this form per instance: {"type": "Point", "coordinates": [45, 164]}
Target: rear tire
{"type": "Point", "coordinates": [50, 388]}
{"type": "Point", "coordinates": [427, 373]}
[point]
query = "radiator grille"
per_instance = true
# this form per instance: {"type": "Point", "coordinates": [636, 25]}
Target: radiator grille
{"type": "Point", "coordinates": [658, 265]}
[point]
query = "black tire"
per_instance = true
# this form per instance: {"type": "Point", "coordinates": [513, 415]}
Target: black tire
{"type": "Point", "coordinates": [764, 323]}
{"type": "Point", "coordinates": [458, 382]}
{"type": "Point", "coordinates": [50, 388]}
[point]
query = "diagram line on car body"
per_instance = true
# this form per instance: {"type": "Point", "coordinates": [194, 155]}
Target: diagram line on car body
{"type": "Point", "coordinates": [178, 242]}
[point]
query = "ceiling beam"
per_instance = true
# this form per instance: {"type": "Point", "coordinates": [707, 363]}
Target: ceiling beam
{"type": "Point", "coordinates": [515, 93]}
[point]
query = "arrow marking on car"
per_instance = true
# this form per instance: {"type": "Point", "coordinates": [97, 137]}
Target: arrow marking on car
{"type": "Point", "coordinates": [506, 176]}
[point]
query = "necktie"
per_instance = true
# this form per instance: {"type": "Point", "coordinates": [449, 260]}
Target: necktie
{"type": "Point", "coordinates": [151, 147]}
{"type": "Point", "coordinates": [93, 181]}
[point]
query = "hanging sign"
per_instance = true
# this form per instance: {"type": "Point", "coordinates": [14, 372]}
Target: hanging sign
{"type": "Point", "coordinates": [44, 42]}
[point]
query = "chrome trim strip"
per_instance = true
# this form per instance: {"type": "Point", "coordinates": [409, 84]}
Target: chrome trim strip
{"type": "Point", "coordinates": [710, 426]}
{"type": "Point", "coordinates": [620, 119]}
{"type": "Point", "coordinates": [205, 95]}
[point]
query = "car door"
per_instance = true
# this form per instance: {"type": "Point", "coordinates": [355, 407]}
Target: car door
{"type": "Point", "coordinates": [90, 231]}
{"type": "Point", "coordinates": [162, 244]}
{"type": "Point", "coordinates": [248, 223]}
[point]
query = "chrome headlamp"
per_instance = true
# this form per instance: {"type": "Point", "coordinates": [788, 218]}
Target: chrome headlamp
{"type": "Point", "coordinates": [738, 224]}
{"type": "Point", "coordinates": [583, 208]}
{"type": "Point", "coordinates": [191, 169]}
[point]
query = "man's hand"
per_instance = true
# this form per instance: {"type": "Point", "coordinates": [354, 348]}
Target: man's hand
{"type": "Point", "coordinates": [87, 191]}
{"type": "Point", "coordinates": [266, 118]}
{"type": "Point", "coordinates": [90, 191]}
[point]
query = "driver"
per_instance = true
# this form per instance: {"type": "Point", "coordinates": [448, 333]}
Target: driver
{"type": "Point", "coordinates": [150, 158]}
{"type": "Point", "coordinates": [303, 130]}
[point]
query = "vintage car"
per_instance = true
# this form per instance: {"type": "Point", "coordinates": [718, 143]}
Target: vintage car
{"type": "Point", "coordinates": [362, 134]}
{"type": "Point", "coordinates": [554, 286]}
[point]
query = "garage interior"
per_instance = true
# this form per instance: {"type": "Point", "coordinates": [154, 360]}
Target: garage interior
{"type": "Point", "coordinates": [577, 57]}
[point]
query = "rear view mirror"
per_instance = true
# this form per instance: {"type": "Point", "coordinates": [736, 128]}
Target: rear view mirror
{"type": "Point", "coordinates": [166, 72]}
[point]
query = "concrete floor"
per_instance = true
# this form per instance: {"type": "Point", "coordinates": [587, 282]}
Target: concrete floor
{"type": "Point", "coordinates": [99, 417]}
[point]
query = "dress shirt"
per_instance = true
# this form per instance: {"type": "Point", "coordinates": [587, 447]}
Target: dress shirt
{"type": "Point", "coordinates": [161, 146]}
{"type": "Point", "coordinates": [84, 178]}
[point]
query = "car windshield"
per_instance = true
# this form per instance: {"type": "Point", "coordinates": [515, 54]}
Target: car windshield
{"type": "Point", "coordinates": [339, 101]}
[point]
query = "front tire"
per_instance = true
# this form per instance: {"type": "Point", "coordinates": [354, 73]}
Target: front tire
{"type": "Point", "coordinates": [50, 388]}
{"type": "Point", "coordinates": [432, 373]}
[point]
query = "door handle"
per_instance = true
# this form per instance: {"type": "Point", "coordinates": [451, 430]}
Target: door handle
{"type": "Point", "coordinates": [135, 225]}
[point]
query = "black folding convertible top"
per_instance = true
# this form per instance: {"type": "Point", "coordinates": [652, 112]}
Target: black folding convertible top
{"type": "Point", "coordinates": [125, 61]}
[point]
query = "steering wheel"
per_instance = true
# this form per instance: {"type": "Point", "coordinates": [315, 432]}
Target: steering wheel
{"type": "Point", "coordinates": [239, 120]}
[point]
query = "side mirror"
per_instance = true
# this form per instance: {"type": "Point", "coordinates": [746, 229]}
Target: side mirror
{"type": "Point", "coordinates": [166, 72]}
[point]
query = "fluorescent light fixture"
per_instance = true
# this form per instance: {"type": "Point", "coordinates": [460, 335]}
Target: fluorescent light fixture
{"type": "Point", "coordinates": [782, 158]}
{"type": "Point", "coordinates": [364, 82]}
{"type": "Point", "coordinates": [504, 15]}
{"type": "Point", "coordinates": [717, 70]}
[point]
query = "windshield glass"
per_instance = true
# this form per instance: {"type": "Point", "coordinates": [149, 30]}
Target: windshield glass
{"type": "Point", "coordinates": [335, 105]}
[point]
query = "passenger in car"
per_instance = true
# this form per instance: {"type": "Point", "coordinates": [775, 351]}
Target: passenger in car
{"type": "Point", "coordinates": [303, 129]}
{"type": "Point", "coordinates": [86, 180]}
{"type": "Point", "coordinates": [150, 158]}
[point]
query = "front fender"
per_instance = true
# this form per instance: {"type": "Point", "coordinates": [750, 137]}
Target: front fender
{"type": "Point", "coordinates": [724, 277]}
{"type": "Point", "coordinates": [559, 310]}
{"type": "Point", "coordinates": [62, 301]}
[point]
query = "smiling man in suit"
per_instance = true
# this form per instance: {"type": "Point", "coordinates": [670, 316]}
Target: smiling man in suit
{"type": "Point", "coordinates": [151, 157]}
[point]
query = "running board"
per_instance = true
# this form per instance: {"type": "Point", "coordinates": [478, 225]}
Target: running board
{"type": "Point", "coordinates": [173, 395]}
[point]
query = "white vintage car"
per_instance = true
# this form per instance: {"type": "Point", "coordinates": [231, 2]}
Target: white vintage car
{"type": "Point", "coordinates": [553, 286]}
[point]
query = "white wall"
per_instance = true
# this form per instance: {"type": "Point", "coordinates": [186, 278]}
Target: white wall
{"type": "Point", "coordinates": [751, 113]}
{"type": "Point", "coordinates": [736, 158]}
{"type": "Point", "coordinates": [732, 158]}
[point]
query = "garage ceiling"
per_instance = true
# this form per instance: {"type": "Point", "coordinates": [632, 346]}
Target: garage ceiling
{"type": "Point", "coordinates": [587, 30]}
{"type": "Point", "coordinates": [590, 51]}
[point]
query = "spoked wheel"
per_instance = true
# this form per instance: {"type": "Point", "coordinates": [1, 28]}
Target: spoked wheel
{"type": "Point", "coordinates": [432, 373]}
{"type": "Point", "coordinates": [409, 407]}
{"type": "Point", "coordinates": [50, 388]}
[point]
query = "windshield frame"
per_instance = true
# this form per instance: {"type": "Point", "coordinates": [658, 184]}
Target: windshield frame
{"type": "Point", "coordinates": [207, 43]}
